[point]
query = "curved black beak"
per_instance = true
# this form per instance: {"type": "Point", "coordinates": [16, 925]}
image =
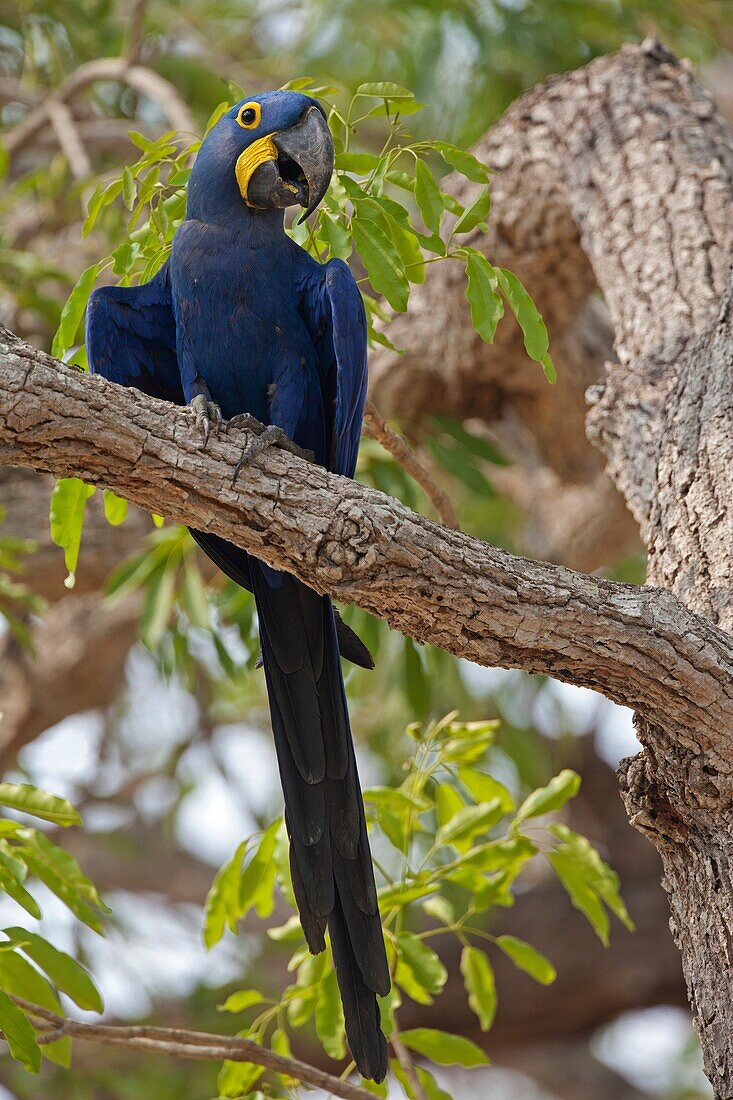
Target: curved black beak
{"type": "Point", "coordinates": [302, 171]}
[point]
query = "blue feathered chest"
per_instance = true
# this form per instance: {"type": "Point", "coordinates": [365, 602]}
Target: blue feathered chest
{"type": "Point", "coordinates": [238, 326]}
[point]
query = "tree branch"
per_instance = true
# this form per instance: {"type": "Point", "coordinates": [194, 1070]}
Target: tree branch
{"type": "Point", "coordinates": [376, 428]}
{"type": "Point", "coordinates": [142, 79]}
{"type": "Point", "coordinates": [639, 646]}
{"type": "Point", "coordinates": [181, 1043]}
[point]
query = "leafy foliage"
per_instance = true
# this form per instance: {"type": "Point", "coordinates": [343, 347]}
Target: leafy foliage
{"type": "Point", "coordinates": [31, 968]}
{"type": "Point", "coordinates": [17, 600]}
{"type": "Point", "coordinates": [450, 847]}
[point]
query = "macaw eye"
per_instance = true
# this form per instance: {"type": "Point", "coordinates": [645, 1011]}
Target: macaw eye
{"type": "Point", "coordinates": [249, 115]}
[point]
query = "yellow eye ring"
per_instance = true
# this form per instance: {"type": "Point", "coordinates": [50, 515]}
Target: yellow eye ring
{"type": "Point", "coordinates": [249, 115]}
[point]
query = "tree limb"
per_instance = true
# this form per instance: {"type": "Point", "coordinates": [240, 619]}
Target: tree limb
{"type": "Point", "coordinates": [639, 646]}
{"type": "Point", "coordinates": [398, 447]}
{"type": "Point", "coordinates": [138, 77]}
{"type": "Point", "coordinates": [181, 1043]}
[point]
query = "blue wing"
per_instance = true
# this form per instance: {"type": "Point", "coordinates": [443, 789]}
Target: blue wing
{"type": "Point", "coordinates": [131, 337]}
{"type": "Point", "coordinates": [332, 308]}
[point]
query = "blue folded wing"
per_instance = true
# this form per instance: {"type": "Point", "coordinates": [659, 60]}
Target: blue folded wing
{"type": "Point", "coordinates": [334, 313]}
{"type": "Point", "coordinates": [131, 337]}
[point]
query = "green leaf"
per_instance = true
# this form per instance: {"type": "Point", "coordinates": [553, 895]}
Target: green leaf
{"type": "Point", "coordinates": [417, 682]}
{"type": "Point", "coordinates": [586, 900]}
{"type": "Point", "coordinates": [401, 894]}
{"type": "Point", "coordinates": [486, 304]}
{"type": "Point", "coordinates": [552, 797]}
{"type": "Point", "coordinates": [129, 190]}
{"type": "Point", "coordinates": [528, 959]}
{"type": "Point", "coordinates": [10, 885]}
{"type": "Point", "coordinates": [406, 243]}
{"type": "Point", "coordinates": [68, 505]}
{"type": "Point", "coordinates": [448, 803]}
{"type": "Point", "coordinates": [582, 859]}
{"type": "Point", "coordinates": [65, 972]}
{"type": "Point", "coordinates": [19, 1034]}
{"type": "Point", "coordinates": [338, 237]}
{"type": "Point", "coordinates": [470, 821]}
{"type": "Point", "coordinates": [115, 508]}
{"type": "Point", "coordinates": [484, 788]}
{"type": "Point", "coordinates": [73, 310]}
{"type": "Point", "coordinates": [31, 800]}
{"type": "Point", "coordinates": [257, 885]}
{"type": "Point", "coordinates": [159, 600]}
{"type": "Point", "coordinates": [241, 1000]}
{"type": "Point", "coordinates": [462, 470]}
{"type": "Point", "coordinates": [548, 368]}
{"type": "Point", "coordinates": [430, 1087]}
{"type": "Point", "coordinates": [478, 978]}
{"type": "Point", "coordinates": [384, 89]}
{"type": "Point", "coordinates": [60, 872]}
{"type": "Point", "coordinates": [103, 195]}
{"type": "Point", "coordinates": [476, 213]}
{"type": "Point", "coordinates": [422, 961]}
{"type": "Point", "coordinates": [382, 262]}
{"type": "Point", "coordinates": [221, 908]}
{"type": "Point", "coordinates": [466, 163]}
{"type": "Point", "coordinates": [360, 164]}
{"type": "Point", "coordinates": [536, 340]}
{"type": "Point", "coordinates": [427, 194]}
{"type": "Point", "coordinates": [237, 1079]}
{"type": "Point", "coordinates": [442, 1047]}
{"type": "Point", "coordinates": [440, 909]}
{"type": "Point", "coordinates": [193, 594]}
{"type": "Point", "coordinates": [401, 179]}
{"type": "Point", "coordinates": [329, 1016]}
{"type": "Point", "coordinates": [474, 444]}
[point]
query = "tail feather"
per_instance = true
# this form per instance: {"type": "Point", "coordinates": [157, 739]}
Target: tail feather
{"type": "Point", "coordinates": [234, 562]}
{"type": "Point", "coordinates": [333, 878]}
{"type": "Point", "coordinates": [361, 1012]}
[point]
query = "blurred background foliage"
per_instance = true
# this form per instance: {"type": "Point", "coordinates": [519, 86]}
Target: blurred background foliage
{"type": "Point", "coordinates": [177, 766]}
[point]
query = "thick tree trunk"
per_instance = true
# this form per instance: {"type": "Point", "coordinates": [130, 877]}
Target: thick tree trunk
{"type": "Point", "coordinates": [620, 176]}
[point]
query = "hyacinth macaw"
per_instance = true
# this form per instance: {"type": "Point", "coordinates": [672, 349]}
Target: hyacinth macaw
{"type": "Point", "coordinates": [242, 322]}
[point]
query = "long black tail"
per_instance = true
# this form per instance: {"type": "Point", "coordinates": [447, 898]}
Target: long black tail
{"type": "Point", "coordinates": [331, 864]}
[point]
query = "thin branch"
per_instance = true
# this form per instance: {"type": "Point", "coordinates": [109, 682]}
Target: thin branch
{"type": "Point", "coordinates": [69, 138]}
{"type": "Point", "coordinates": [408, 1066]}
{"type": "Point", "coordinates": [376, 428]}
{"type": "Point", "coordinates": [640, 646]}
{"type": "Point", "coordinates": [182, 1043]}
{"type": "Point", "coordinates": [134, 37]}
{"type": "Point", "coordinates": [142, 79]}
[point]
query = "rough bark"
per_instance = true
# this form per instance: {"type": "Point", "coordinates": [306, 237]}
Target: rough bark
{"type": "Point", "coordinates": [623, 173]}
{"type": "Point", "coordinates": [640, 647]}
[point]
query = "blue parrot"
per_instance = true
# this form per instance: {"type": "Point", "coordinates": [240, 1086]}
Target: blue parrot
{"type": "Point", "coordinates": [241, 322]}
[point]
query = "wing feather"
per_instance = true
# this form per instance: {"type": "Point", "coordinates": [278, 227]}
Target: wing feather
{"type": "Point", "coordinates": [131, 337]}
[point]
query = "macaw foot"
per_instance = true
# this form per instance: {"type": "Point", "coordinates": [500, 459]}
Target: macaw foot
{"type": "Point", "coordinates": [207, 414]}
{"type": "Point", "coordinates": [270, 436]}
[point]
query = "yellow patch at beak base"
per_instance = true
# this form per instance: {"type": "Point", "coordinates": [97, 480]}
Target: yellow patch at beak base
{"type": "Point", "coordinates": [259, 152]}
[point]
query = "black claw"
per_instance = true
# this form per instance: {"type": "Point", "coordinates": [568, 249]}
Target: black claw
{"type": "Point", "coordinates": [207, 414]}
{"type": "Point", "coordinates": [269, 436]}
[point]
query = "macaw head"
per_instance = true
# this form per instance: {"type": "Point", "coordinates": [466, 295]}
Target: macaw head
{"type": "Point", "coordinates": [269, 151]}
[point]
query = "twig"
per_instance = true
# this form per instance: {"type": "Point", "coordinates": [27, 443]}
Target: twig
{"type": "Point", "coordinates": [181, 1043]}
{"type": "Point", "coordinates": [106, 68]}
{"type": "Point", "coordinates": [408, 1066]}
{"type": "Point", "coordinates": [376, 428]}
{"type": "Point", "coordinates": [134, 37]}
{"type": "Point", "coordinates": [69, 138]}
